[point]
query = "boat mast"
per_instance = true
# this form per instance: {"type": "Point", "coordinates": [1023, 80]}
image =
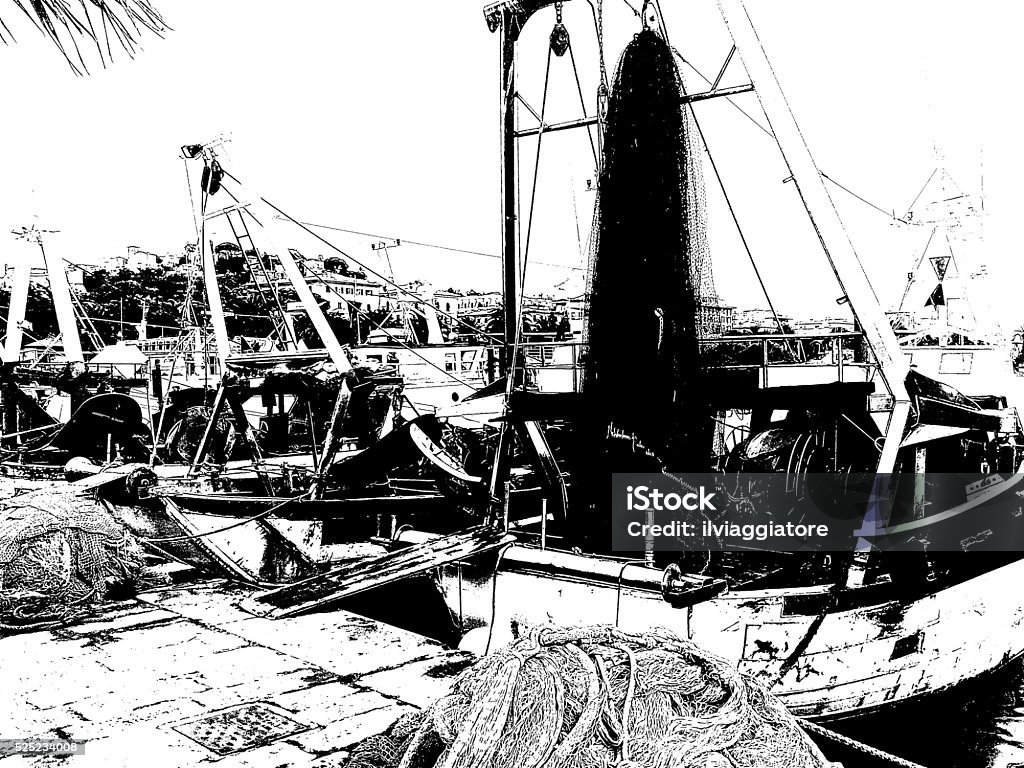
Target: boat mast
{"type": "Point", "coordinates": [220, 329]}
{"type": "Point", "coordinates": [60, 290]}
{"type": "Point", "coordinates": [316, 315]}
{"type": "Point", "coordinates": [892, 363]}
{"type": "Point", "coordinates": [16, 315]}
{"type": "Point", "coordinates": [510, 18]}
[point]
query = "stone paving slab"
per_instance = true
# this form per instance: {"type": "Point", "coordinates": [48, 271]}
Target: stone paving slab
{"type": "Point", "coordinates": [123, 679]}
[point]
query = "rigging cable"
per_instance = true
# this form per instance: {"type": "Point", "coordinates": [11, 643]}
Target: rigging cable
{"type": "Point", "coordinates": [923, 188]}
{"type": "Point", "coordinates": [245, 521]}
{"type": "Point", "coordinates": [395, 339]}
{"type": "Point", "coordinates": [435, 246]}
{"type": "Point", "coordinates": [920, 261]}
{"type": "Point", "coordinates": [767, 131]}
{"type": "Point", "coordinates": [536, 176]}
{"type": "Point", "coordinates": [417, 299]}
{"type": "Point", "coordinates": [735, 219]}
{"type": "Point", "coordinates": [777, 144]}
{"type": "Point", "coordinates": [583, 101]}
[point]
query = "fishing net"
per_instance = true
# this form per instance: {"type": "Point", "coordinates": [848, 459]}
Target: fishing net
{"type": "Point", "coordinates": [58, 554]}
{"type": "Point", "coordinates": [649, 267]}
{"type": "Point", "coordinates": [596, 697]}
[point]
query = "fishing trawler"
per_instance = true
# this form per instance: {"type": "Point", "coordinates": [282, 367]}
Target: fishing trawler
{"type": "Point", "coordinates": [943, 322]}
{"type": "Point", "coordinates": [269, 475]}
{"type": "Point", "coordinates": [836, 635]}
{"type": "Point", "coordinates": [53, 407]}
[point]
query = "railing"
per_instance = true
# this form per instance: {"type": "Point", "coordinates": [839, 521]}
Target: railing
{"type": "Point", "coordinates": [557, 366]}
{"type": "Point", "coordinates": [778, 358]}
{"type": "Point", "coordinates": [114, 370]}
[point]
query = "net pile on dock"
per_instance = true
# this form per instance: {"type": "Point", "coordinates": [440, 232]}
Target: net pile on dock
{"type": "Point", "coordinates": [58, 554]}
{"type": "Point", "coordinates": [596, 697]}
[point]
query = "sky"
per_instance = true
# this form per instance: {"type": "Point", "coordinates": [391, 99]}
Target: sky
{"type": "Point", "coordinates": [383, 119]}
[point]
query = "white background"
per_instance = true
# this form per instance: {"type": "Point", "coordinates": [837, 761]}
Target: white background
{"type": "Point", "coordinates": [383, 118]}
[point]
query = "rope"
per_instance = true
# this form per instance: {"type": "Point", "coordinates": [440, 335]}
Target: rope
{"type": "Point", "coordinates": [246, 521]}
{"type": "Point", "coordinates": [517, 341]}
{"type": "Point", "coordinates": [163, 405]}
{"type": "Point", "coordinates": [855, 425]}
{"type": "Point", "coordinates": [921, 191]}
{"type": "Point", "coordinates": [494, 599]}
{"type": "Point", "coordinates": [375, 273]}
{"type": "Point", "coordinates": [583, 103]}
{"type": "Point", "coordinates": [917, 266]}
{"type": "Point", "coordinates": [533, 190]}
{"type": "Point", "coordinates": [767, 131]}
{"type": "Point", "coordinates": [58, 553]}
{"type": "Point", "coordinates": [436, 246]}
{"type": "Point", "coordinates": [860, 746]}
{"type": "Point", "coordinates": [855, 195]}
{"type": "Point", "coordinates": [618, 587]}
{"type": "Point", "coordinates": [30, 431]}
{"type": "Point", "coordinates": [593, 697]}
{"type": "Point", "coordinates": [735, 219]}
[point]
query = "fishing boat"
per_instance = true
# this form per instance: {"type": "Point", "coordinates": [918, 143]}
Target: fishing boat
{"type": "Point", "coordinates": [244, 472]}
{"type": "Point", "coordinates": [943, 322]}
{"type": "Point", "coordinates": [835, 634]}
{"type": "Point", "coordinates": [53, 406]}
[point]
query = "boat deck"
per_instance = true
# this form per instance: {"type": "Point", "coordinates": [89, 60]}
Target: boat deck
{"type": "Point", "coordinates": [140, 681]}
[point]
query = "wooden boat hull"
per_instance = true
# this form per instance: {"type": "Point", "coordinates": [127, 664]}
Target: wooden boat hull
{"type": "Point", "coordinates": [833, 653]}
{"type": "Point", "coordinates": [866, 657]}
{"type": "Point", "coordinates": [259, 551]}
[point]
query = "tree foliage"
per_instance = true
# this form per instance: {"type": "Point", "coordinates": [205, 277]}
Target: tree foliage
{"type": "Point", "coordinates": [114, 300]}
{"type": "Point", "coordinates": [76, 28]}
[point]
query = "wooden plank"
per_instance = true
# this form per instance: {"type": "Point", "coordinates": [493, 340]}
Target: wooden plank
{"type": "Point", "coordinates": [351, 579]}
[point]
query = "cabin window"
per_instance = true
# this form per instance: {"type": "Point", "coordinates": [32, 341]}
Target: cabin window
{"type": "Point", "coordinates": [907, 645]}
{"type": "Point", "coordinates": [956, 362]}
{"type": "Point", "coordinates": [467, 360]}
{"type": "Point", "coordinates": [449, 361]}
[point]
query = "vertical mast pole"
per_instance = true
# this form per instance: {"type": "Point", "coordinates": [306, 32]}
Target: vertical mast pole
{"type": "Point", "coordinates": [220, 330]}
{"type": "Point", "coordinates": [509, 248]}
{"type": "Point", "coordinates": [60, 290]}
{"type": "Point", "coordinates": [16, 315]}
{"type": "Point", "coordinates": [316, 315]}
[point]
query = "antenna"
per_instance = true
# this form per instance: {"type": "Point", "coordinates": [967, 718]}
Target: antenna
{"type": "Point", "coordinates": [384, 245]}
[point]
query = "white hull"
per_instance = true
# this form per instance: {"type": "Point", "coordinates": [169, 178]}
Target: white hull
{"type": "Point", "coordinates": [857, 661]}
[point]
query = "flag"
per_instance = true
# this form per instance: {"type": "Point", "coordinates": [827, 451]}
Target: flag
{"type": "Point", "coordinates": [940, 264]}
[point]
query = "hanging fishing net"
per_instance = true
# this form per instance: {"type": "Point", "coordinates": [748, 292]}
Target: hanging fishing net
{"type": "Point", "coordinates": [59, 553]}
{"type": "Point", "coordinates": [649, 267]}
{"type": "Point", "coordinates": [596, 697]}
